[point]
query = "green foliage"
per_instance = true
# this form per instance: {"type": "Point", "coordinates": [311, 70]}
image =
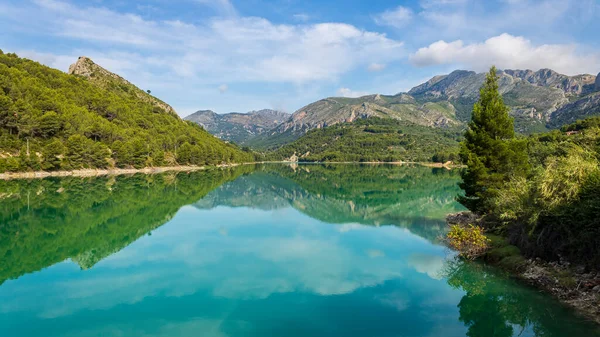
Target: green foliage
{"type": "Point", "coordinates": [93, 120]}
{"type": "Point", "coordinates": [51, 154]}
{"type": "Point", "coordinates": [469, 241]}
{"type": "Point", "coordinates": [553, 212]}
{"type": "Point", "coordinates": [489, 149]}
{"type": "Point", "coordinates": [372, 140]}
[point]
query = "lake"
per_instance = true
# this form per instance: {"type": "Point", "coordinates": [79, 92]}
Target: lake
{"type": "Point", "coordinates": [271, 250]}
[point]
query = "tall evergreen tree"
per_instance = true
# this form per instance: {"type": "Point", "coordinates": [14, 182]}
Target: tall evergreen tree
{"type": "Point", "coordinates": [489, 149]}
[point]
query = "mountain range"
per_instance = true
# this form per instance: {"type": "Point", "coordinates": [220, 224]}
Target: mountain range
{"type": "Point", "coordinates": [238, 127]}
{"type": "Point", "coordinates": [539, 101]}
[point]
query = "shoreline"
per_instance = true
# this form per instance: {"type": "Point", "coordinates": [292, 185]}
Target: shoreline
{"type": "Point", "coordinates": [573, 286]}
{"type": "Point", "coordinates": [185, 168]}
{"type": "Point", "coordinates": [426, 164]}
{"type": "Point", "coordinates": [110, 172]}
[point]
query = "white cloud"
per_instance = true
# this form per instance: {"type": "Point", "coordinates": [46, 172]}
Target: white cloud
{"type": "Point", "coordinates": [470, 19]}
{"type": "Point", "coordinates": [301, 17]}
{"type": "Point", "coordinates": [345, 92]}
{"type": "Point", "coordinates": [376, 67]}
{"type": "Point", "coordinates": [398, 17]}
{"type": "Point", "coordinates": [225, 49]}
{"type": "Point", "coordinates": [507, 52]}
{"type": "Point", "coordinates": [223, 88]}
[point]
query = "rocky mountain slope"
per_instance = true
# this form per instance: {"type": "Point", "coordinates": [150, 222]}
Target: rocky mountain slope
{"type": "Point", "coordinates": [87, 68]}
{"type": "Point", "coordinates": [538, 100]}
{"type": "Point", "coordinates": [238, 127]}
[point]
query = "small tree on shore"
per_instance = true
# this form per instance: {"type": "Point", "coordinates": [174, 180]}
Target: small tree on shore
{"type": "Point", "coordinates": [489, 149]}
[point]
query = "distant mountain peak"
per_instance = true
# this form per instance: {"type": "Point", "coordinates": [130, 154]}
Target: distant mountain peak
{"type": "Point", "coordinates": [84, 66]}
{"type": "Point", "coordinates": [236, 126]}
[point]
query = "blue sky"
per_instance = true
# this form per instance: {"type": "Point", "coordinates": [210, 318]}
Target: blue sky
{"type": "Point", "coordinates": [234, 55]}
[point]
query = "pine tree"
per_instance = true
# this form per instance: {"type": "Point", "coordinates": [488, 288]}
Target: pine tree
{"type": "Point", "coordinates": [490, 150]}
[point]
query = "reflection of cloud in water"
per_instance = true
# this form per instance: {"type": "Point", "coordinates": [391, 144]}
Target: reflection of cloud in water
{"type": "Point", "coordinates": [431, 265]}
{"type": "Point", "coordinates": [248, 263]}
{"type": "Point", "coordinates": [209, 328]}
{"type": "Point", "coordinates": [373, 253]}
{"type": "Point", "coordinates": [350, 227]}
{"type": "Point", "coordinates": [396, 300]}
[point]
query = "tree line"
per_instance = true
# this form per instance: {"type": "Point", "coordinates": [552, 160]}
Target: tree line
{"type": "Point", "coordinates": [374, 140]}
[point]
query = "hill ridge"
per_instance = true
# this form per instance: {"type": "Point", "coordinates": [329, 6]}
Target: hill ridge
{"type": "Point", "coordinates": [86, 67]}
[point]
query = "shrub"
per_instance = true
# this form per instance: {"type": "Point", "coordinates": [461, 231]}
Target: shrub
{"type": "Point", "coordinates": [469, 241]}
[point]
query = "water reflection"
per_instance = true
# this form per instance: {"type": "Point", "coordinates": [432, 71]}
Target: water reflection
{"type": "Point", "coordinates": [271, 250]}
{"type": "Point", "coordinates": [494, 305]}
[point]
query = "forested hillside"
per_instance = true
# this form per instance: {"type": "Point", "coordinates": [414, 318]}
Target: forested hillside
{"type": "Point", "coordinates": [374, 139]}
{"type": "Point", "coordinates": [50, 120]}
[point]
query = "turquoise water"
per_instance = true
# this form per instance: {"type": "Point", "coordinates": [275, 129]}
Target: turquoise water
{"type": "Point", "coordinates": [342, 250]}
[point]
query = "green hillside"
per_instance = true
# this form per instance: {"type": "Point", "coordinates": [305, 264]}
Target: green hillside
{"type": "Point", "coordinates": [95, 121]}
{"type": "Point", "coordinates": [374, 139]}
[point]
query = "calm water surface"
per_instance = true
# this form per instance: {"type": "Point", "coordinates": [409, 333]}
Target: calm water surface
{"type": "Point", "coordinates": [342, 250]}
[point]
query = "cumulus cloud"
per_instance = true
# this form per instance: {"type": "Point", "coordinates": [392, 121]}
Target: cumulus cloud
{"type": "Point", "coordinates": [346, 92]}
{"type": "Point", "coordinates": [507, 52]}
{"type": "Point", "coordinates": [233, 48]}
{"type": "Point", "coordinates": [376, 67]}
{"type": "Point", "coordinates": [398, 17]}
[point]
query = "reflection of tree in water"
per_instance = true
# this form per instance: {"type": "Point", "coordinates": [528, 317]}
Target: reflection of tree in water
{"type": "Point", "coordinates": [46, 221]}
{"type": "Point", "coordinates": [500, 307]}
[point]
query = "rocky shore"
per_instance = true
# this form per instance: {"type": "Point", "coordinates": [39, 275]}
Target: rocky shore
{"type": "Point", "coordinates": [574, 286]}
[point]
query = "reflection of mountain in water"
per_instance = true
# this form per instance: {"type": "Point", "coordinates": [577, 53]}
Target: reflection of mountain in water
{"type": "Point", "coordinates": [46, 221]}
{"type": "Point", "coordinates": [417, 198]}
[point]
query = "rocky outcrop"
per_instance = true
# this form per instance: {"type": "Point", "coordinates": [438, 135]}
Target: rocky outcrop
{"type": "Point", "coordinates": [87, 68]}
{"type": "Point", "coordinates": [571, 85]}
{"type": "Point", "coordinates": [597, 84]}
{"type": "Point", "coordinates": [585, 107]}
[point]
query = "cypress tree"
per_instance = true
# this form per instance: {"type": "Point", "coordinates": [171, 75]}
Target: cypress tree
{"type": "Point", "coordinates": [489, 149]}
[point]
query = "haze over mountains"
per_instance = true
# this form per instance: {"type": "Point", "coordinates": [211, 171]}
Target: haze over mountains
{"type": "Point", "coordinates": [539, 100]}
